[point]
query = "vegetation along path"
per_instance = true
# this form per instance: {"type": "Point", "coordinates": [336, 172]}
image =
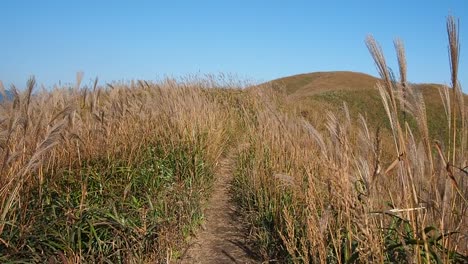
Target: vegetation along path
{"type": "Point", "coordinates": [223, 238]}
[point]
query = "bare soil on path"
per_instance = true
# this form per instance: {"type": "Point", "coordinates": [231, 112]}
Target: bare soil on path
{"type": "Point", "coordinates": [223, 238]}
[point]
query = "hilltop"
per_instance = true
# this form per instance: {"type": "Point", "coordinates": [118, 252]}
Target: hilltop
{"type": "Point", "coordinates": [311, 94]}
{"type": "Point", "coordinates": [310, 84]}
{"type": "Point", "coordinates": [317, 82]}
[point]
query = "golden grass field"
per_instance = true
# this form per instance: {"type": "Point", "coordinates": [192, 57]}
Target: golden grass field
{"type": "Point", "coordinates": [330, 167]}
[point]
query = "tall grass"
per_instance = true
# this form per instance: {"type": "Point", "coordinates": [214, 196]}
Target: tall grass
{"type": "Point", "coordinates": [350, 193]}
{"type": "Point", "coordinates": [114, 174]}
{"type": "Point", "coordinates": [119, 174]}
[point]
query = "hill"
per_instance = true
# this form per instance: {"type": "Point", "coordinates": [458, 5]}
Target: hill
{"type": "Point", "coordinates": [128, 173]}
{"type": "Point", "coordinates": [317, 82]}
{"type": "Point", "coordinates": [310, 84]}
{"type": "Point", "coordinates": [8, 95]}
{"type": "Point", "coordinates": [311, 94]}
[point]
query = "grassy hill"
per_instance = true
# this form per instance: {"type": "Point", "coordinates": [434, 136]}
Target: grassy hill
{"type": "Point", "coordinates": [311, 94]}
{"type": "Point", "coordinates": [306, 176]}
{"type": "Point", "coordinates": [318, 82]}
{"type": "Point", "coordinates": [121, 173]}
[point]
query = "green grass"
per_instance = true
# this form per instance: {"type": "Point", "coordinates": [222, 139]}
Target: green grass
{"type": "Point", "coordinates": [108, 211]}
{"type": "Point", "coordinates": [368, 103]}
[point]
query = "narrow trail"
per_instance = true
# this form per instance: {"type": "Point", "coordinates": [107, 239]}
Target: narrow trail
{"type": "Point", "coordinates": [223, 237]}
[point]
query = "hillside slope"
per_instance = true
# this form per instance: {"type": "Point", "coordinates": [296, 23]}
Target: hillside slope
{"type": "Point", "coordinates": [317, 82]}
{"type": "Point", "coordinates": [311, 94]}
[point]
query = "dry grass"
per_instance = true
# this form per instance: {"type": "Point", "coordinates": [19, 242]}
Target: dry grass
{"type": "Point", "coordinates": [114, 174]}
{"type": "Point", "coordinates": [347, 192]}
{"type": "Point", "coordinates": [119, 173]}
{"type": "Point", "coordinates": [304, 85]}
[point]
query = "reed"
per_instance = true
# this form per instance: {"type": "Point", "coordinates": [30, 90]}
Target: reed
{"type": "Point", "coordinates": [347, 192]}
{"type": "Point", "coordinates": [108, 174]}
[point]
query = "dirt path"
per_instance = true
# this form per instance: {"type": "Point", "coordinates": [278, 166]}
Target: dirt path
{"type": "Point", "coordinates": [223, 238]}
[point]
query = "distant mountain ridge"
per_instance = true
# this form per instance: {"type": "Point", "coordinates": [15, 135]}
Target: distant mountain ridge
{"type": "Point", "coordinates": [9, 96]}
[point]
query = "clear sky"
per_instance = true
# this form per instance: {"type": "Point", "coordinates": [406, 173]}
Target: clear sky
{"type": "Point", "coordinates": [257, 40]}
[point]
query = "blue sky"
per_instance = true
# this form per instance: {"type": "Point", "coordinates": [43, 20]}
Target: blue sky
{"type": "Point", "coordinates": [256, 40]}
